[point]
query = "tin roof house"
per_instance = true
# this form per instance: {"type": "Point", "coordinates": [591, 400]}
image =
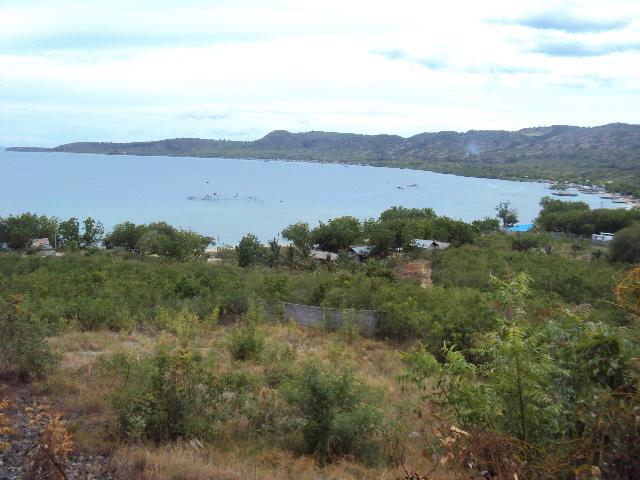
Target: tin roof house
{"type": "Point", "coordinates": [359, 254]}
{"type": "Point", "coordinates": [44, 246]}
{"type": "Point", "coordinates": [601, 238]}
{"type": "Point", "coordinates": [430, 244]}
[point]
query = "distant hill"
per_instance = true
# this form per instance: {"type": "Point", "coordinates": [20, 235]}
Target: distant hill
{"type": "Point", "coordinates": [609, 153]}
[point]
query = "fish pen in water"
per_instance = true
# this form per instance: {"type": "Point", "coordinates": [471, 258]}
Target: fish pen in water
{"type": "Point", "coordinates": [221, 198]}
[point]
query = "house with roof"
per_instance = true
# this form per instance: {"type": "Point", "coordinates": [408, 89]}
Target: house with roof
{"type": "Point", "coordinates": [44, 246]}
{"type": "Point", "coordinates": [431, 245]}
{"type": "Point", "coordinates": [359, 254]}
{"type": "Point", "coordinates": [323, 256]}
{"type": "Point", "coordinates": [602, 238]}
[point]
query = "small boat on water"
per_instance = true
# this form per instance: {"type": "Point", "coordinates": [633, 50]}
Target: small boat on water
{"type": "Point", "coordinates": [564, 194]}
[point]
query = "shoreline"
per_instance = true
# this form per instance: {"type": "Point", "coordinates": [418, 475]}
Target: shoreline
{"type": "Point", "coordinates": [321, 162]}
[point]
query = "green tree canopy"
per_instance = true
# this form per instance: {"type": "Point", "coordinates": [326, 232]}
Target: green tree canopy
{"type": "Point", "coordinates": [249, 250]}
{"type": "Point", "coordinates": [507, 213]}
{"type": "Point", "coordinates": [447, 229]}
{"type": "Point", "coordinates": [158, 238]}
{"type": "Point", "coordinates": [93, 233]}
{"type": "Point", "coordinates": [17, 232]}
{"type": "Point", "coordinates": [407, 214]}
{"type": "Point", "coordinates": [551, 205]}
{"type": "Point", "coordinates": [299, 233]}
{"type": "Point", "coordinates": [337, 234]}
{"type": "Point", "coordinates": [625, 246]}
{"type": "Point", "coordinates": [69, 234]}
{"type": "Point", "coordinates": [125, 235]}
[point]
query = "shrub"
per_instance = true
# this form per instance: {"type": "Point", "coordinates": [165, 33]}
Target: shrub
{"type": "Point", "coordinates": [48, 456]}
{"type": "Point", "coordinates": [339, 414]}
{"type": "Point", "coordinates": [250, 251]}
{"type": "Point", "coordinates": [24, 352]}
{"type": "Point", "coordinates": [173, 394]}
{"type": "Point", "coordinates": [522, 243]}
{"type": "Point", "coordinates": [246, 340]}
{"type": "Point", "coordinates": [625, 246]}
{"type": "Point", "coordinates": [562, 388]}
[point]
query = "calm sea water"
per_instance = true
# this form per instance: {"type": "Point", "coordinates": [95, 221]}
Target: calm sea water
{"type": "Point", "coordinates": [251, 196]}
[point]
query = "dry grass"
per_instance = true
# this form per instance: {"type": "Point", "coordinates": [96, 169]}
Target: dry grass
{"type": "Point", "coordinates": [80, 393]}
{"type": "Point", "coordinates": [98, 341]}
{"type": "Point", "coordinates": [193, 461]}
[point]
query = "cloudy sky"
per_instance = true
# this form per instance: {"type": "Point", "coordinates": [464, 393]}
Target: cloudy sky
{"type": "Point", "coordinates": [136, 70]}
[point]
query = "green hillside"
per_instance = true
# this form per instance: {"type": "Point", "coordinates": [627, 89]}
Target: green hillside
{"type": "Point", "coordinates": [608, 155]}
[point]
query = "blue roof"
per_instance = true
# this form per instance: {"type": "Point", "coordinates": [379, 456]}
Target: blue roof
{"type": "Point", "coordinates": [521, 228]}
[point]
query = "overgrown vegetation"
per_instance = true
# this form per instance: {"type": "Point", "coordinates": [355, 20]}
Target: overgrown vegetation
{"type": "Point", "coordinates": [24, 352]}
{"type": "Point", "coordinates": [577, 218]}
{"type": "Point", "coordinates": [544, 387]}
{"type": "Point", "coordinates": [526, 360]}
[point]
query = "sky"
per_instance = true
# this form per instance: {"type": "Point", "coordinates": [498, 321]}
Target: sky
{"type": "Point", "coordinates": [139, 70]}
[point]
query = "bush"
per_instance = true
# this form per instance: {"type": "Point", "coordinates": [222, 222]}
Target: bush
{"type": "Point", "coordinates": [173, 394]}
{"type": "Point", "coordinates": [24, 352]}
{"type": "Point", "coordinates": [522, 243]}
{"type": "Point", "coordinates": [339, 414]}
{"type": "Point", "coordinates": [625, 246]}
{"type": "Point", "coordinates": [246, 341]}
{"type": "Point", "coordinates": [563, 388]}
{"type": "Point", "coordinates": [250, 251]}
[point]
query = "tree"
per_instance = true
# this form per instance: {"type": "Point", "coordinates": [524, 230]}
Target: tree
{"type": "Point", "coordinates": [507, 213]}
{"type": "Point", "coordinates": [274, 253]}
{"type": "Point", "coordinates": [93, 232]}
{"type": "Point", "coordinates": [18, 232]}
{"type": "Point", "coordinates": [158, 238]}
{"type": "Point", "coordinates": [164, 240]}
{"type": "Point", "coordinates": [125, 235]}
{"type": "Point", "coordinates": [69, 234]}
{"type": "Point", "coordinates": [249, 250]}
{"type": "Point", "coordinates": [381, 237]}
{"type": "Point", "coordinates": [407, 214]}
{"type": "Point", "coordinates": [486, 225]}
{"type": "Point", "coordinates": [184, 245]}
{"type": "Point", "coordinates": [563, 382]}
{"type": "Point", "coordinates": [625, 246]}
{"type": "Point", "coordinates": [447, 229]}
{"type": "Point", "coordinates": [336, 409]}
{"type": "Point", "coordinates": [300, 235]}
{"type": "Point", "coordinates": [551, 205]}
{"type": "Point", "coordinates": [337, 234]}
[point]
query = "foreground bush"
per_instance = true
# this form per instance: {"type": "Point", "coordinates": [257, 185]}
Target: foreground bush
{"type": "Point", "coordinates": [552, 393]}
{"type": "Point", "coordinates": [338, 413]}
{"type": "Point", "coordinates": [172, 394]}
{"type": "Point", "coordinates": [24, 352]}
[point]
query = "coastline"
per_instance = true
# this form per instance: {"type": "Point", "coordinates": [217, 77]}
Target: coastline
{"type": "Point", "coordinates": [629, 200]}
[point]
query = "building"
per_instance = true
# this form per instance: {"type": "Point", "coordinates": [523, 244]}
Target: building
{"type": "Point", "coordinates": [431, 245]}
{"type": "Point", "coordinates": [323, 256]}
{"type": "Point", "coordinates": [44, 246]}
{"type": "Point", "coordinates": [601, 238]}
{"type": "Point", "coordinates": [359, 253]}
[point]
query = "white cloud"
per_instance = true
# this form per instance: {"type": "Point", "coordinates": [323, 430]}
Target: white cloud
{"type": "Point", "coordinates": [141, 70]}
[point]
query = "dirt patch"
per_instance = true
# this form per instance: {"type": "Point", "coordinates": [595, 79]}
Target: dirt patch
{"type": "Point", "coordinates": [420, 269]}
{"type": "Point", "coordinates": [425, 269]}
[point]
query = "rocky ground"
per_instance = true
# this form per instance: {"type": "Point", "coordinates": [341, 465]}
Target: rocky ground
{"type": "Point", "coordinates": [24, 444]}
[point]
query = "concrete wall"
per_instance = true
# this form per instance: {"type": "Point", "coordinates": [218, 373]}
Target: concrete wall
{"type": "Point", "coordinates": [329, 317]}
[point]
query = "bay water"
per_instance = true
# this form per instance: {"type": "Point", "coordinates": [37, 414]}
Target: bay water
{"type": "Point", "coordinates": [229, 198]}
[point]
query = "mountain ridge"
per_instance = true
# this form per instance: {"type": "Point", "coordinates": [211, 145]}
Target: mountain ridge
{"type": "Point", "coordinates": [602, 154]}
